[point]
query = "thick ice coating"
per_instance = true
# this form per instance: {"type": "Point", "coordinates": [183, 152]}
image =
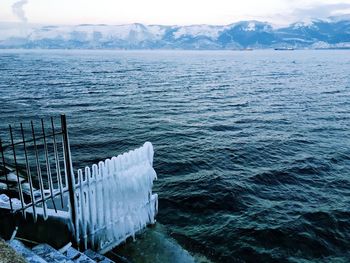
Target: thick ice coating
{"type": "Point", "coordinates": [114, 199]}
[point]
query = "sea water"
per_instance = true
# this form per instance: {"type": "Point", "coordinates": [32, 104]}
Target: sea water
{"type": "Point", "coordinates": [252, 148]}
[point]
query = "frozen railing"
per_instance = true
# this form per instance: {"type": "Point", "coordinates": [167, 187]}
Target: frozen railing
{"type": "Point", "coordinates": [104, 204]}
{"type": "Point", "coordinates": [35, 167]}
{"type": "Point", "coordinates": [114, 199]}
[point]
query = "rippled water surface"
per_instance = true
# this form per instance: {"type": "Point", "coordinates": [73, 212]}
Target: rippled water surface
{"type": "Point", "coordinates": [252, 148]}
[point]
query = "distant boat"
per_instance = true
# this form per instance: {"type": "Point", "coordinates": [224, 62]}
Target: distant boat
{"type": "Point", "coordinates": [284, 48]}
{"type": "Point", "coordinates": [246, 49]}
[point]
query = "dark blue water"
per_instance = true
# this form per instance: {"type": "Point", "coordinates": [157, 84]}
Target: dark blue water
{"type": "Point", "coordinates": [252, 149]}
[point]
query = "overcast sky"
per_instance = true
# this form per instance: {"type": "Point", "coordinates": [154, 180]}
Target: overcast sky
{"type": "Point", "coordinates": [168, 12]}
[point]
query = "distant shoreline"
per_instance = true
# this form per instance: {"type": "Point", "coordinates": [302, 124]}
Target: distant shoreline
{"type": "Point", "coordinates": [117, 49]}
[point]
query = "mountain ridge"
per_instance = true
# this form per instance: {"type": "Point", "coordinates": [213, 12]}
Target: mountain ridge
{"type": "Point", "coordinates": [333, 32]}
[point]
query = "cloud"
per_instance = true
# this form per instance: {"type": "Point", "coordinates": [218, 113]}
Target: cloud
{"type": "Point", "coordinates": [321, 11]}
{"type": "Point", "coordinates": [17, 9]}
{"type": "Point", "coordinates": [296, 12]}
{"type": "Point", "coordinates": [183, 12]}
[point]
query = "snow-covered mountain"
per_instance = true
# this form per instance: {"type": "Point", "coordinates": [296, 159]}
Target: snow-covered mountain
{"type": "Point", "coordinates": [330, 33]}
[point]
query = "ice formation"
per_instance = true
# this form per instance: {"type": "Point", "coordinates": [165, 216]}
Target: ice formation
{"type": "Point", "coordinates": [114, 199]}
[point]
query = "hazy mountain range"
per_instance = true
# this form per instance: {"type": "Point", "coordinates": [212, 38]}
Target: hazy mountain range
{"type": "Point", "coordinates": [333, 32]}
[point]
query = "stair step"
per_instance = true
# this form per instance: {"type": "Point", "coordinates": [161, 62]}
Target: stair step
{"type": "Point", "coordinates": [97, 257]}
{"type": "Point", "coordinates": [77, 256]}
{"type": "Point", "coordinates": [28, 254]}
{"type": "Point", "coordinates": [50, 254]}
{"type": "Point", "coordinates": [117, 258]}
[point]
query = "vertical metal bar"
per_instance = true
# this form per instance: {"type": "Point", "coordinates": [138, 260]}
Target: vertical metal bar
{"type": "Point", "coordinates": [41, 184]}
{"type": "Point", "coordinates": [48, 169]}
{"type": "Point", "coordinates": [82, 208]}
{"type": "Point", "coordinates": [20, 193]}
{"type": "Point", "coordinates": [57, 161]}
{"type": "Point", "coordinates": [29, 175]}
{"type": "Point", "coordinates": [64, 164]}
{"type": "Point", "coordinates": [96, 214]}
{"type": "Point", "coordinates": [5, 173]}
{"type": "Point", "coordinates": [90, 210]}
{"type": "Point", "coordinates": [69, 171]}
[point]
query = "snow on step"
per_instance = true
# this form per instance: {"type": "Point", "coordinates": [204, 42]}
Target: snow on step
{"type": "Point", "coordinates": [77, 256]}
{"type": "Point", "coordinates": [97, 257]}
{"type": "Point", "coordinates": [29, 255]}
{"type": "Point", "coordinates": [50, 254]}
{"type": "Point", "coordinates": [5, 202]}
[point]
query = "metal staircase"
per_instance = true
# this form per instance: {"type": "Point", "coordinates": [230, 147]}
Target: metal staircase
{"type": "Point", "coordinates": [44, 253]}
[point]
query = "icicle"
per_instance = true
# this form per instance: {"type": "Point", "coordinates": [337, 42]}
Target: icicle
{"type": "Point", "coordinates": [115, 197]}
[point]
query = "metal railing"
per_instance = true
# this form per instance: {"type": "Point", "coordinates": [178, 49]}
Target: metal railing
{"type": "Point", "coordinates": [106, 203]}
{"type": "Point", "coordinates": [36, 166]}
{"type": "Point", "coordinates": [114, 199]}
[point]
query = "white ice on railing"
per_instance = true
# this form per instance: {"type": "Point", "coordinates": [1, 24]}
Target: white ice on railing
{"type": "Point", "coordinates": [114, 199]}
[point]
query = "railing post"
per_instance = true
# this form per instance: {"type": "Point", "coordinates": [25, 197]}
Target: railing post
{"type": "Point", "coordinates": [5, 173]}
{"type": "Point", "coordinates": [70, 174]}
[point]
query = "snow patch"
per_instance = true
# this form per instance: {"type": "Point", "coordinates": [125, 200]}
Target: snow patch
{"type": "Point", "coordinates": [251, 26]}
{"type": "Point", "coordinates": [199, 30]}
{"type": "Point", "coordinates": [309, 23]}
